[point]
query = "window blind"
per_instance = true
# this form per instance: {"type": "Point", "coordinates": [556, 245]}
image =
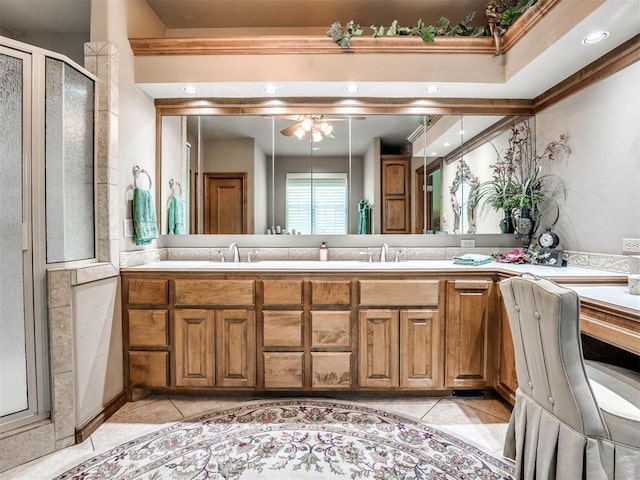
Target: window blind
{"type": "Point", "coordinates": [317, 203]}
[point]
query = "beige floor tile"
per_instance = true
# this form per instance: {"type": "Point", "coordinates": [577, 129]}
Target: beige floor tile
{"type": "Point", "coordinates": [157, 411]}
{"type": "Point", "coordinates": [488, 437]}
{"type": "Point", "coordinates": [135, 422]}
{"type": "Point", "coordinates": [493, 406]}
{"type": "Point", "coordinates": [190, 407]}
{"type": "Point", "coordinates": [485, 430]}
{"type": "Point", "coordinates": [410, 408]}
{"type": "Point", "coordinates": [51, 465]}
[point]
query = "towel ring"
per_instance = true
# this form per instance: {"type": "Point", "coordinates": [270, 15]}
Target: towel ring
{"type": "Point", "coordinates": [138, 171]}
{"type": "Point", "coordinates": [172, 185]}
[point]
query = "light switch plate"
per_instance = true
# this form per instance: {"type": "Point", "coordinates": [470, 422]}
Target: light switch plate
{"type": "Point", "coordinates": [128, 227]}
{"type": "Point", "coordinates": [467, 243]}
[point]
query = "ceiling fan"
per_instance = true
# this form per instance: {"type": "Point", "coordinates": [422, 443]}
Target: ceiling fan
{"type": "Point", "coordinates": [317, 126]}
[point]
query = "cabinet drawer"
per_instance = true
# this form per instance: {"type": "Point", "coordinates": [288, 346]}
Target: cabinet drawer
{"type": "Point", "coordinates": [330, 370]}
{"type": "Point", "coordinates": [330, 292]}
{"type": "Point", "coordinates": [283, 370]}
{"type": "Point", "coordinates": [282, 329]}
{"type": "Point", "coordinates": [143, 291]}
{"type": "Point", "coordinates": [399, 292]}
{"type": "Point", "coordinates": [282, 292]}
{"type": "Point", "coordinates": [214, 292]}
{"type": "Point", "coordinates": [148, 369]}
{"type": "Point", "coordinates": [330, 329]}
{"type": "Point", "coordinates": [148, 328]}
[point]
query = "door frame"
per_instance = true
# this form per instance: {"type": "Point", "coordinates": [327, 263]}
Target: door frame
{"type": "Point", "coordinates": [242, 176]}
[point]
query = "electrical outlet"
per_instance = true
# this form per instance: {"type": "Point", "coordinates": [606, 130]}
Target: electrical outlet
{"type": "Point", "coordinates": [467, 243]}
{"type": "Point", "coordinates": [128, 227]}
{"type": "Point", "coordinates": [631, 245]}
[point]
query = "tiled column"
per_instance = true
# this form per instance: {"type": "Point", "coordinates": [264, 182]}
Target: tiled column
{"type": "Point", "coordinates": [102, 59]}
{"type": "Point", "coordinates": [63, 409]}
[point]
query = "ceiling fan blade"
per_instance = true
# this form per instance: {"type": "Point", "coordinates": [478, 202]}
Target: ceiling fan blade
{"type": "Point", "coordinates": [331, 135]}
{"type": "Point", "coordinates": [290, 130]}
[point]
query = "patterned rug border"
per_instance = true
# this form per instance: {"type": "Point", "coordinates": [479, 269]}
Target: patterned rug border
{"type": "Point", "coordinates": [320, 402]}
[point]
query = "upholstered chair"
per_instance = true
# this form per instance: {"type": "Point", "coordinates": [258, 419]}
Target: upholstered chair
{"type": "Point", "coordinates": [573, 419]}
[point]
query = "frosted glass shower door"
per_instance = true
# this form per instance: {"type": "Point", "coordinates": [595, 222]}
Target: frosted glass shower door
{"type": "Point", "coordinates": [16, 306]}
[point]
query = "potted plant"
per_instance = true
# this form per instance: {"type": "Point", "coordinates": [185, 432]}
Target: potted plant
{"type": "Point", "coordinates": [519, 187]}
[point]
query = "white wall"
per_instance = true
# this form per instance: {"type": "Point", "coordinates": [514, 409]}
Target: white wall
{"type": "Point", "coordinates": [371, 183]}
{"type": "Point", "coordinates": [260, 191]}
{"type": "Point", "coordinates": [136, 119]}
{"type": "Point", "coordinates": [98, 346]}
{"type": "Point", "coordinates": [172, 165]}
{"type": "Point", "coordinates": [602, 173]}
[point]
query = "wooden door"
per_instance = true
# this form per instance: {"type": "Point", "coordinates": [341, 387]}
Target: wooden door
{"type": "Point", "coordinates": [225, 203]}
{"type": "Point", "coordinates": [235, 348]}
{"type": "Point", "coordinates": [396, 194]}
{"type": "Point", "coordinates": [194, 347]}
{"type": "Point", "coordinates": [467, 333]}
{"type": "Point", "coordinates": [419, 349]}
{"type": "Point", "coordinates": [378, 348]}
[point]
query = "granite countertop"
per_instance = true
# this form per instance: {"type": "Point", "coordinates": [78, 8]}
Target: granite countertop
{"type": "Point", "coordinates": [616, 295]}
{"type": "Point", "coordinates": [361, 266]}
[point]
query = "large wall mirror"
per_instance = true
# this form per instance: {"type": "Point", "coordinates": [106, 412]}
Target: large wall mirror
{"type": "Point", "coordinates": [316, 173]}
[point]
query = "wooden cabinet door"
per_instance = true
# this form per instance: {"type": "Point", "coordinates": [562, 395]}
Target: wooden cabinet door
{"type": "Point", "coordinates": [507, 381]}
{"type": "Point", "coordinates": [396, 194]}
{"type": "Point", "coordinates": [194, 347]}
{"type": "Point", "coordinates": [235, 348]}
{"type": "Point", "coordinates": [419, 349]}
{"type": "Point", "coordinates": [378, 348]}
{"type": "Point", "coordinates": [467, 333]}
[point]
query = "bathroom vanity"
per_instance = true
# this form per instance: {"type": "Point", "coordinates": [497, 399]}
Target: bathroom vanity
{"type": "Point", "coordinates": [423, 327]}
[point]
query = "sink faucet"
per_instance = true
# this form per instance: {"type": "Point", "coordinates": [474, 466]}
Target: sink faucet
{"type": "Point", "coordinates": [384, 251]}
{"type": "Point", "coordinates": [236, 255]}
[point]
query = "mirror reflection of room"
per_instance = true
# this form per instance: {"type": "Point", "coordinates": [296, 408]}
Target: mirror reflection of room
{"type": "Point", "coordinates": [327, 174]}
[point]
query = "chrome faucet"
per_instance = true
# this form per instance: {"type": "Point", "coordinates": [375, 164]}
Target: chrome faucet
{"type": "Point", "coordinates": [236, 255]}
{"type": "Point", "coordinates": [384, 251]}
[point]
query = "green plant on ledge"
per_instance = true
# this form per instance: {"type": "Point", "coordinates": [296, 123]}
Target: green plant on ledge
{"type": "Point", "coordinates": [519, 187]}
{"type": "Point", "coordinates": [500, 15]}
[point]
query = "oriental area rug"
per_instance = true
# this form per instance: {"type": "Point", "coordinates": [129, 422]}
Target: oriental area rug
{"type": "Point", "coordinates": [295, 439]}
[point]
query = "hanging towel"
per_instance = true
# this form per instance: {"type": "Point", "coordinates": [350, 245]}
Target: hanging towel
{"type": "Point", "coordinates": [176, 216]}
{"type": "Point", "coordinates": [144, 217]}
{"type": "Point", "coordinates": [472, 259]}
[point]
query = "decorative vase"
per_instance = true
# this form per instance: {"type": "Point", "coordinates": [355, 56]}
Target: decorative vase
{"type": "Point", "coordinates": [522, 222]}
{"type": "Point", "coordinates": [506, 224]}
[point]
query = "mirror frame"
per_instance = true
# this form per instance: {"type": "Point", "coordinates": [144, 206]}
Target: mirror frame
{"type": "Point", "coordinates": [336, 106]}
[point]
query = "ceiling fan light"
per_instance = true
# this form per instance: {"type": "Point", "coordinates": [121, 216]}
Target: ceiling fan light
{"type": "Point", "coordinates": [325, 128]}
{"type": "Point", "coordinates": [307, 124]}
{"type": "Point", "coordinates": [316, 136]}
{"type": "Point", "coordinates": [299, 133]}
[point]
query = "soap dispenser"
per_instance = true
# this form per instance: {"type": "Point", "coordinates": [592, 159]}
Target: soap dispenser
{"type": "Point", "coordinates": [323, 252]}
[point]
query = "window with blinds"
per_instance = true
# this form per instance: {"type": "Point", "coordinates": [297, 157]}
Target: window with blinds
{"type": "Point", "coordinates": [317, 203]}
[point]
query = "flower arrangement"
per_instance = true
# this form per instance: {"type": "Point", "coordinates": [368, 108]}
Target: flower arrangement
{"type": "Point", "coordinates": [519, 186]}
{"type": "Point", "coordinates": [513, 256]}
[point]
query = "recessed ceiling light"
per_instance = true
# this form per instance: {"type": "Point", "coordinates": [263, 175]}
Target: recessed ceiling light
{"type": "Point", "coordinates": [190, 89]}
{"type": "Point", "coordinates": [351, 89]}
{"type": "Point", "coordinates": [461, 132]}
{"type": "Point", "coordinates": [270, 90]}
{"type": "Point", "coordinates": [446, 144]}
{"type": "Point", "coordinates": [434, 153]}
{"type": "Point", "coordinates": [595, 37]}
{"type": "Point", "coordinates": [431, 89]}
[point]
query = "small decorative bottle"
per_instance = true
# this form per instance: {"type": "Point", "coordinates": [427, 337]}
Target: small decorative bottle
{"type": "Point", "coordinates": [323, 252]}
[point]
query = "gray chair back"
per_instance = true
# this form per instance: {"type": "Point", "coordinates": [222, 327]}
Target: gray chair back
{"type": "Point", "coordinates": [544, 320]}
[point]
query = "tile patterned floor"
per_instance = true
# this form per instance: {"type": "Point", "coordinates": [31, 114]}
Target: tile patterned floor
{"type": "Point", "coordinates": [480, 421]}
